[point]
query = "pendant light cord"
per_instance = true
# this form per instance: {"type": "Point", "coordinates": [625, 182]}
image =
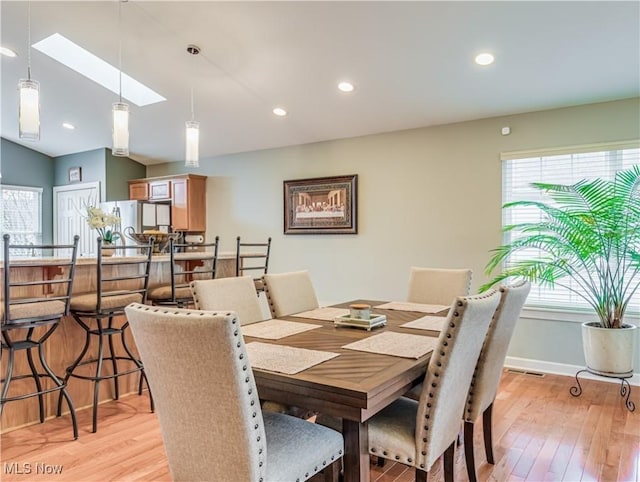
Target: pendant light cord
{"type": "Point", "coordinates": [29, 40]}
{"type": "Point", "coordinates": [192, 115]}
{"type": "Point", "coordinates": [120, 48]}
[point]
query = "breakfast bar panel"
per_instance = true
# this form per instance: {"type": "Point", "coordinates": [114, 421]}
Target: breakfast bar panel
{"type": "Point", "coordinates": [67, 341]}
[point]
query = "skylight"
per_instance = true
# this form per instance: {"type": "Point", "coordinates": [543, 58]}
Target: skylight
{"type": "Point", "coordinates": [84, 62]}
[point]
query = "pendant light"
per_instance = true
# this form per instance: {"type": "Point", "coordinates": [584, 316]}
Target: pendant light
{"type": "Point", "coordinates": [192, 143]}
{"type": "Point", "coordinates": [29, 94]}
{"type": "Point", "coordinates": [120, 110]}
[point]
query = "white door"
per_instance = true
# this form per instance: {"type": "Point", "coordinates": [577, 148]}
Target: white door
{"type": "Point", "coordinates": [69, 215]}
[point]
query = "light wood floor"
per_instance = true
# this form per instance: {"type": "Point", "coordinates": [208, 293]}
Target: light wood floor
{"type": "Point", "coordinates": [540, 433]}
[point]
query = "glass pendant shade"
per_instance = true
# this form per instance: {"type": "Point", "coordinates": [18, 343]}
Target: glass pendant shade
{"type": "Point", "coordinates": [120, 129]}
{"type": "Point", "coordinates": [192, 146]}
{"type": "Point", "coordinates": [29, 110]}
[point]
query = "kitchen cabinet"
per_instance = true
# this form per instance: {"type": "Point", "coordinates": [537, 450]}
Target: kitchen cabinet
{"type": "Point", "coordinates": [160, 190]}
{"type": "Point", "coordinates": [139, 191]}
{"type": "Point", "coordinates": [187, 193]}
{"type": "Point", "coordinates": [188, 204]}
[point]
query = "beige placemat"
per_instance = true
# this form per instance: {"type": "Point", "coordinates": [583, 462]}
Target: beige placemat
{"type": "Point", "coordinates": [328, 313]}
{"type": "Point", "coordinates": [434, 323]}
{"type": "Point", "coordinates": [285, 359]}
{"type": "Point", "coordinates": [396, 344]}
{"type": "Point", "coordinates": [408, 306]}
{"type": "Point", "coordinates": [276, 329]}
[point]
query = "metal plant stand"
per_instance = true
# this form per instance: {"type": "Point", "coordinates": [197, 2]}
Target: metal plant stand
{"type": "Point", "coordinates": [625, 387]}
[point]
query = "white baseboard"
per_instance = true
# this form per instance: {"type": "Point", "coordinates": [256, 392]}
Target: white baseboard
{"type": "Point", "coordinates": [560, 369]}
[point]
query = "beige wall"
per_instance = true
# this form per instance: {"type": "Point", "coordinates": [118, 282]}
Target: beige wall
{"type": "Point", "coordinates": [427, 197]}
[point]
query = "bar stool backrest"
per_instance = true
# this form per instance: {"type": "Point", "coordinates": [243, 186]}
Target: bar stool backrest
{"type": "Point", "coordinates": [253, 259]}
{"type": "Point", "coordinates": [122, 269]}
{"type": "Point", "coordinates": [45, 299]}
{"type": "Point", "coordinates": [191, 261]}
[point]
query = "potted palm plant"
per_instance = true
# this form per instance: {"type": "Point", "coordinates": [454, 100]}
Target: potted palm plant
{"type": "Point", "coordinates": [589, 232]}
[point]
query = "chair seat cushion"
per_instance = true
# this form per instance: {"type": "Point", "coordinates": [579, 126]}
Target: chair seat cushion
{"type": "Point", "coordinates": [164, 293]}
{"type": "Point", "coordinates": [39, 309]}
{"type": "Point", "coordinates": [297, 449]}
{"type": "Point", "coordinates": [393, 430]}
{"type": "Point", "coordinates": [114, 300]}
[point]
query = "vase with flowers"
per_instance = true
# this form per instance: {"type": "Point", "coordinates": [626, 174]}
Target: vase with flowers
{"type": "Point", "coordinates": [104, 224]}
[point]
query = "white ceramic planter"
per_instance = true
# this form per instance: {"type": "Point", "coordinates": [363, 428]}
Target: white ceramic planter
{"type": "Point", "coordinates": [609, 351]}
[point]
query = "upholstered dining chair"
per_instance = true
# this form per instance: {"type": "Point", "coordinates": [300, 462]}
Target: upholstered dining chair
{"type": "Point", "coordinates": [486, 378]}
{"type": "Point", "coordinates": [237, 294]}
{"type": "Point", "coordinates": [438, 286]}
{"type": "Point", "coordinates": [289, 293]}
{"type": "Point", "coordinates": [216, 430]}
{"type": "Point", "coordinates": [418, 433]}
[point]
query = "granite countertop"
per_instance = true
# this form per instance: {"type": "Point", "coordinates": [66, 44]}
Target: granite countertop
{"type": "Point", "coordinates": [88, 260]}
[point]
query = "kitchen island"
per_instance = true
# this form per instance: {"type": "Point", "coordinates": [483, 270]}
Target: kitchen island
{"type": "Point", "coordinates": [67, 341]}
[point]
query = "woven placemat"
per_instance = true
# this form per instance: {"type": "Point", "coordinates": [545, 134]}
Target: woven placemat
{"type": "Point", "coordinates": [403, 345]}
{"type": "Point", "coordinates": [408, 306]}
{"type": "Point", "coordinates": [328, 313]}
{"type": "Point", "coordinates": [276, 329]}
{"type": "Point", "coordinates": [434, 323]}
{"type": "Point", "coordinates": [285, 359]}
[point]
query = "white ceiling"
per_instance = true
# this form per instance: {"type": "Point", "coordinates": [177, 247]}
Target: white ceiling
{"type": "Point", "coordinates": [412, 63]}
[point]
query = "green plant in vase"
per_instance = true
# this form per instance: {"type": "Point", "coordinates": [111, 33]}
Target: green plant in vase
{"type": "Point", "coordinates": [103, 223]}
{"type": "Point", "coordinates": [589, 233]}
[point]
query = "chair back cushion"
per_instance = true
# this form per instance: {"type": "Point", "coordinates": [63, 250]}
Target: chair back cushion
{"type": "Point", "coordinates": [449, 375]}
{"type": "Point", "coordinates": [289, 293]}
{"type": "Point", "coordinates": [487, 374]}
{"type": "Point", "coordinates": [231, 294]}
{"type": "Point", "coordinates": [438, 286]}
{"type": "Point", "coordinates": [204, 391]}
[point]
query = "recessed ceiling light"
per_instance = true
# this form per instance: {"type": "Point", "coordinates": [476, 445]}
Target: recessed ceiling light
{"type": "Point", "coordinates": [69, 126]}
{"type": "Point", "coordinates": [346, 86]}
{"type": "Point", "coordinates": [279, 111]}
{"type": "Point", "coordinates": [7, 52]}
{"type": "Point", "coordinates": [484, 58]}
{"type": "Point", "coordinates": [84, 62]}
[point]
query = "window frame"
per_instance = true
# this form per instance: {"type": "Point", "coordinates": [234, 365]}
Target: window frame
{"type": "Point", "coordinates": [40, 191]}
{"type": "Point", "coordinates": [554, 312]}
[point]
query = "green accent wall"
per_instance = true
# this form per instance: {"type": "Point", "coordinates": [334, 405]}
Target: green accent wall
{"type": "Point", "coordinates": [117, 174]}
{"type": "Point", "coordinates": [21, 166]}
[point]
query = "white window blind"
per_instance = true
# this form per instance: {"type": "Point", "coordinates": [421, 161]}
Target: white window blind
{"type": "Point", "coordinates": [21, 215]}
{"type": "Point", "coordinates": [518, 172]}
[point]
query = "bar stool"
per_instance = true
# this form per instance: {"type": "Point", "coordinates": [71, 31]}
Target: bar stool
{"type": "Point", "coordinates": [188, 262]}
{"type": "Point", "coordinates": [253, 257]}
{"type": "Point", "coordinates": [121, 280]}
{"type": "Point", "coordinates": [31, 304]}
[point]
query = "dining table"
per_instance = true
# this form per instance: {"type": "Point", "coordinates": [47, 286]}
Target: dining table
{"type": "Point", "coordinates": [353, 385]}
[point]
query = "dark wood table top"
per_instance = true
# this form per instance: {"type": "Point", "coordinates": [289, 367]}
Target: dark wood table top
{"type": "Point", "coordinates": [354, 385]}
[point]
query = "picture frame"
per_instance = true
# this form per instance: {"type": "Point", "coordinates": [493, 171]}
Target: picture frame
{"type": "Point", "coordinates": [321, 205]}
{"type": "Point", "coordinates": [75, 174]}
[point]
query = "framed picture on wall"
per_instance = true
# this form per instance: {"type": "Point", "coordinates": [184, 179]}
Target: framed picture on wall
{"type": "Point", "coordinates": [323, 205]}
{"type": "Point", "coordinates": [75, 174]}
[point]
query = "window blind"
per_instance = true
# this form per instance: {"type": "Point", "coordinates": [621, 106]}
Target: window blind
{"type": "Point", "coordinates": [563, 168]}
{"type": "Point", "coordinates": [21, 215]}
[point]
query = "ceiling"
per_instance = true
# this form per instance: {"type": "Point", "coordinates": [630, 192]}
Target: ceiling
{"type": "Point", "coordinates": [411, 62]}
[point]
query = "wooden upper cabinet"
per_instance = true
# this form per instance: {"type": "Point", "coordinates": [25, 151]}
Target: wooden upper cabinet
{"type": "Point", "coordinates": [159, 190]}
{"type": "Point", "coordinates": [139, 191]}
{"type": "Point", "coordinates": [188, 204]}
{"type": "Point", "coordinates": [188, 196]}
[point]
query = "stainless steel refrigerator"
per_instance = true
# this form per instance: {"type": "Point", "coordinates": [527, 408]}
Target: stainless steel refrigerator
{"type": "Point", "coordinates": [140, 215]}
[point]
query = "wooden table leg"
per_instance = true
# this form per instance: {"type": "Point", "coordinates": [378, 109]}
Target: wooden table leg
{"type": "Point", "coordinates": [356, 451]}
